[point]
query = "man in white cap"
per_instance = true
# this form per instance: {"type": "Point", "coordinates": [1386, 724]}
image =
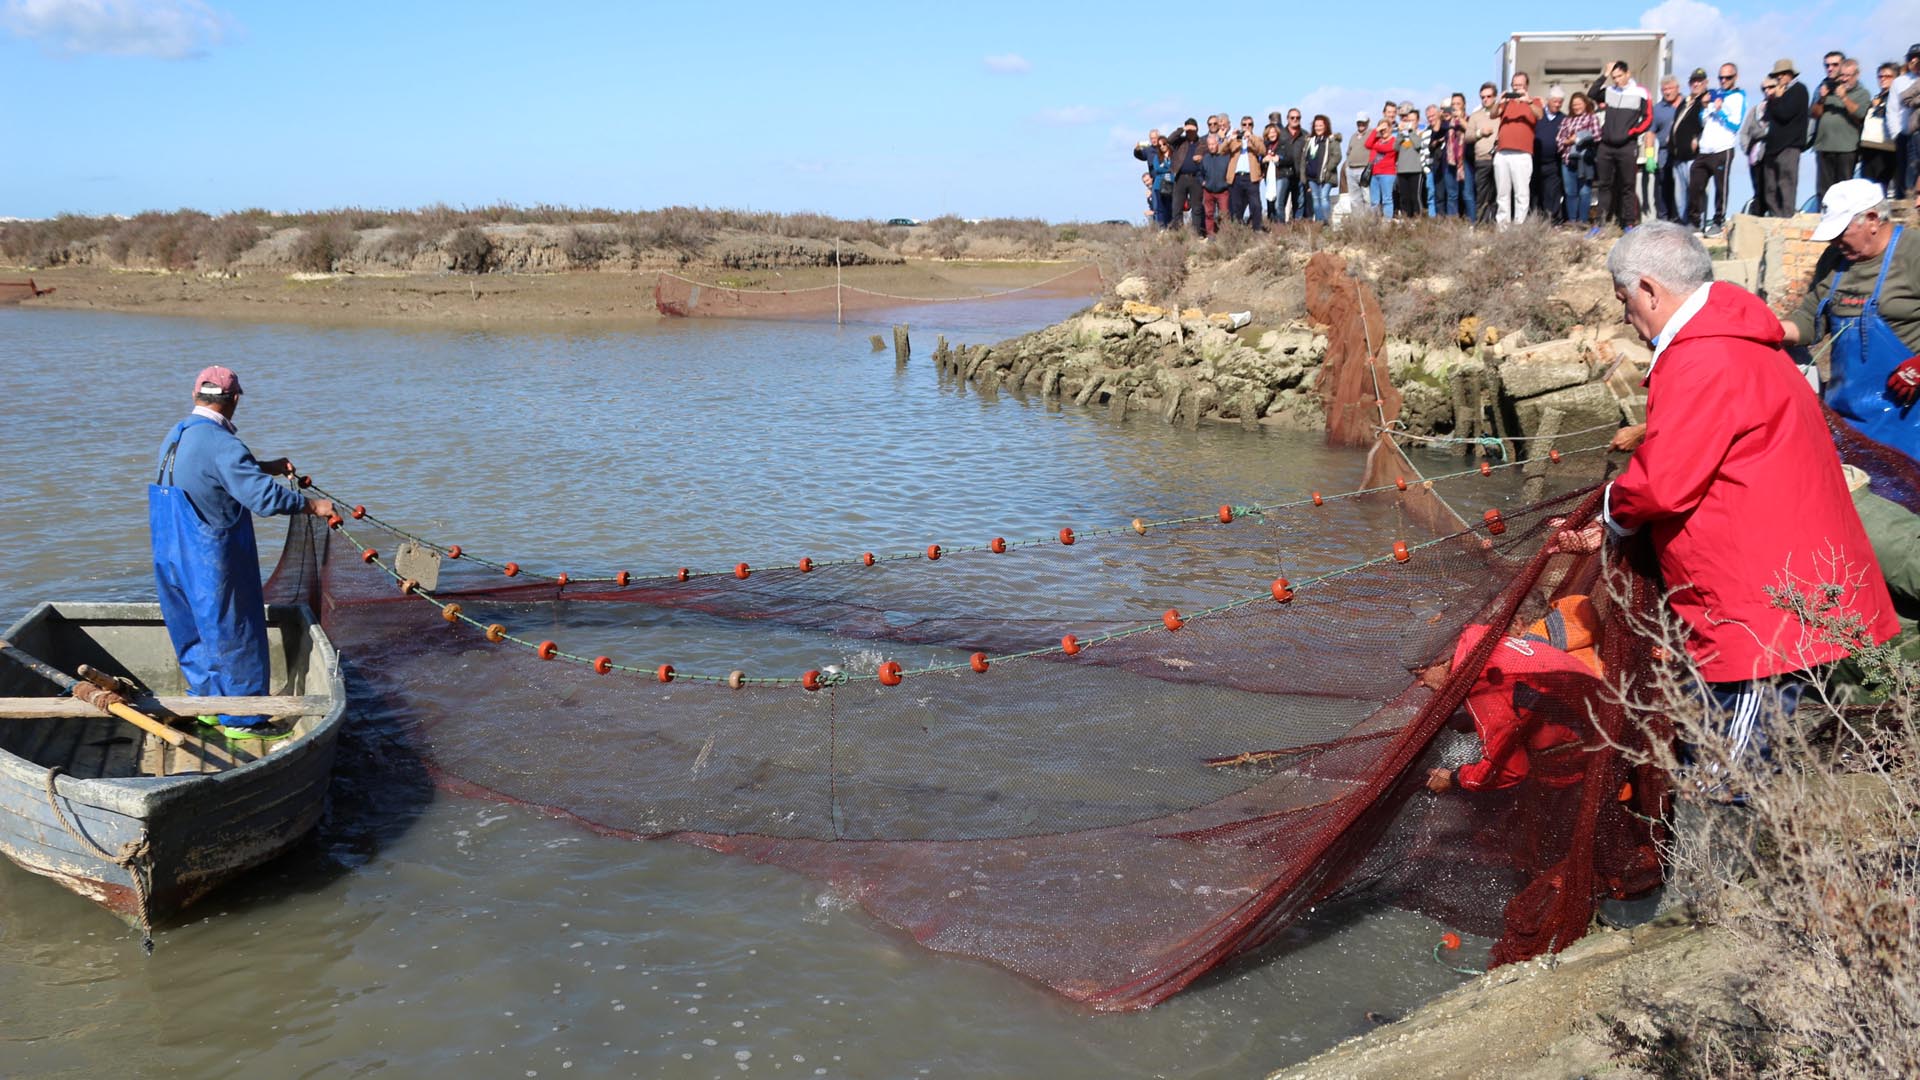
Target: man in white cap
{"type": "Point", "coordinates": [206, 565]}
{"type": "Point", "coordinates": [1865, 299]}
{"type": "Point", "coordinates": [1358, 167]}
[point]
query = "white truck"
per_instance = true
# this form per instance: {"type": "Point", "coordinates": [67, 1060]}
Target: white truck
{"type": "Point", "coordinates": [1575, 58]}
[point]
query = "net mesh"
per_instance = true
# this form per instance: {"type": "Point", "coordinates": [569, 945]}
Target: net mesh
{"type": "Point", "coordinates": [676, 295]}
{"type": "Point", "coordinates": [1113, 822]}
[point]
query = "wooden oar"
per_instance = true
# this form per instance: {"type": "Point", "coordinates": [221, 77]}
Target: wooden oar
{"type": "Point", "coordinates": [111, 703]}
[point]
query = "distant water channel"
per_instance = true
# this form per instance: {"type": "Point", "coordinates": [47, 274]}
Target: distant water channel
{"type": "Point", "coordinates": [421, 931]}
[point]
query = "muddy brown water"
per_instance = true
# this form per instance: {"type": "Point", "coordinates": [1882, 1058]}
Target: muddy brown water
{"type": "Point", "coordinates": [419, 930]}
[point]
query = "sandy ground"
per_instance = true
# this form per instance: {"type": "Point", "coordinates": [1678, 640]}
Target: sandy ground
{"type": "Point", "coordinates": [1547, 1018]}
{"type": "Point", "coordinates": [601, 297]}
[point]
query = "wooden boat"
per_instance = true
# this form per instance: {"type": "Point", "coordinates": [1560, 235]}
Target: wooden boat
{"type": "Point", "coordinates": [12, 292]}
{"type": "Point", "coordinates": [121, 817]}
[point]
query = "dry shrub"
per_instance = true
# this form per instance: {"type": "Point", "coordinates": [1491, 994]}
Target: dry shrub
{"type": "Point", "coordinates": [585, 247]}
{"type": "Point", "coordinates": [1232, 241]}
{"type": "Point", "coordinates": [400, 246]}
{"type": "Point", "coordinates": [1160, 257]}
{"type": "Point", "coordinates": [1814, 872]}
{"type": "Point", "coordinates": [469, 250]}
{"type": "Point", "coordinates": [1430, 274]}
{"type": "Point", "coordinates": [322, 248]}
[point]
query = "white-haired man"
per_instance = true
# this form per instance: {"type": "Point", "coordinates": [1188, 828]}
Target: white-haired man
{"type": "Point", "coordinates": [1865, 298]}
{"type": "Point", "coordinates": [1737, 485]}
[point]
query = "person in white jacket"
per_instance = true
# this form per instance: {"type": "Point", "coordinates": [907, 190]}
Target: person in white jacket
{"type": "Point", "coordinates": [1719, 135]}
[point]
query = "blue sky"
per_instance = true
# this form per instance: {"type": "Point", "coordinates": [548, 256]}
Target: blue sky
{"type": "Point", "coordinates": [862, 110]}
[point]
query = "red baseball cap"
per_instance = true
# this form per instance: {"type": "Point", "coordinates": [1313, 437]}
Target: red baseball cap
{"type": "Point", "coordinates": [217, 381]}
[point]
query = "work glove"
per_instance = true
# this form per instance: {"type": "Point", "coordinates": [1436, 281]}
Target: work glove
{"type": "Point", "coordinates": [1904, 384]}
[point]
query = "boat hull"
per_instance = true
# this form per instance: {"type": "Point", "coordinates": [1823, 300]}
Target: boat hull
{"type": "Point", "coordinates": [188, 833]}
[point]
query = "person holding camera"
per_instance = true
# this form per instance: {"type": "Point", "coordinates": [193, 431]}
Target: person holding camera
{"type": "Point", "coordinates": [1627, 115]}
{"type": "Point", "coordinates": [1248, 154]}
{"type": "Point", "coordinates": [1382, 160]}
{"type": "Point", "coordinates": [1726, 109]}
{"type": "Point", "coordinates": [1282, 174]}
{"type": "Point", "coordinates": [1483, 132]}
{"type": "Point", "coordinates": [1159, 159]}
{"type": "Point", "coordinates": [1519, 112]}
{"type": "Point", "coordinates": [1188, 154]}
{"type": "Point", "coordinates": [1786, 113]}
{"type": "Point", "coordinates": [1841, 107]}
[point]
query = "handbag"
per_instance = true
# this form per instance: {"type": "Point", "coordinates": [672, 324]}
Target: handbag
{"type": "Point", "coordinates": [1873, 133]}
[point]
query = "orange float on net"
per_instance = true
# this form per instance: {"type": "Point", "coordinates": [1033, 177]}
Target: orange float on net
{"type": "Point", "coordinates": [369, 555]}
{"type": "Point", "coordinates": [547, 650]}
{"type": "Point", "coordinates": [664, 673]}
{"type": "Point", "coordinates": [1172, 619]}
{"type": "Point", "coordinates": [866, 559]}
{"type": "Point", "coordinates": [450, 612]}
{"type": "Point", "coordinates": [1400, 482]}
{"type": "Point", "coordinates": [602, 665]}
{"type": "Point", "coordinates": [408, 586]}
{"type": "Point", "coordinates": [512, 569]}
{"type": "Point", "coordinates": [1626, 792]}
{"type": "Point", "coordinates": [622, 578]}
{"type": "Point", "coordinates": [1400, 552]}
{"type": "Point", "coordinates": [1066, 537]}
{"type": "Point", "coordinates": [978, 661]}
{"type": "Point", "coordinates": [1449, 940]}
{"type": "Point", "coordinates": [496, 633]}
{"type": "Point", "coordinates": [334, 521]}
{"type": "Point", "coordinates": [933, 552]}
{"type": "Point", "coordinates": [1495, 523]}
{"type": "Point", "coordinates": [1139, 526]}
{"type": "Point", "coordinates": [1553, 456]}
{"type": "Point", "coordinates": [359, 512]}
{"type": "Point", "coordinates": [1070, 645]}
{"type": "Point", "coordinates": [811, 680]}
{"type": "Point", "coordinates": [306, 481]}
{"type": "Point", "coordinates": [805, 564]}
{"type": "Point", "coordinates": [1317, 501]}
{"type": "Point", "coordinates": [453, 552]}
{"type": "Point", "coordinates": [1282, 590]}
{"type": "Point", "coordinates": [736, 679]}
{"type": "Point", "coordinates": [681, 574]}
{"type": "Point", "coordinates": [742, 571]}
{"type": "Point", "coordinates": [1226, 515]}
{"type": "Point", "coordinates": [562, 579]}
{"type": "Point", "coordinates": [998, 545]}
{"type": "Point", "coordinates": [890, 674]}
{"type": "Point", "coordinates": [1486, 469]}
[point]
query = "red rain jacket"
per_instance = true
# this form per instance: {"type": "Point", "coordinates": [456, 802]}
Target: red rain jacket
{"type": "Point", "coordinates": [1522, 705]}
{"type": "Point", "coordinates": [1739, 485]}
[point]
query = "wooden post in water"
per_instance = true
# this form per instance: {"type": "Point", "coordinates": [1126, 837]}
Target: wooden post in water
{"type": "Point", "coordinates": [1535, 470]}
{"type": "Point", "coordinates": [878, 344]}
{"type": "Point", "coordinates": [901, 347]}
{"type": "Point", "coordinates": [837, 319]}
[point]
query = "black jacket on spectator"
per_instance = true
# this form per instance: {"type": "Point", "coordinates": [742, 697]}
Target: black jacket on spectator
{"type": "Point", "coordinates": [1287, 164]}
{"type": "Point", "coordinates": [1686, 129]}
{"type": "Point", "coordinates": [1787, 120]}
{"type": "Point", "coordinates": [1186, 151]}
{"type": "Point", "coordinates": [1629, 111]}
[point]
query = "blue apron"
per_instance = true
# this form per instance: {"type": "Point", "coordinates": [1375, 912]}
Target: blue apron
{"type": "Point", "coordinates": [209, 584]}
{"type": "Point", "coordinates": [1864, 352]}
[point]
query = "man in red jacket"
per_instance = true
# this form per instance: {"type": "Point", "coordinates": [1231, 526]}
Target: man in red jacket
{"type": "Point", "coordinates": [1738, 485]}
{"type": "Point", "coordinates": [1528, 706]}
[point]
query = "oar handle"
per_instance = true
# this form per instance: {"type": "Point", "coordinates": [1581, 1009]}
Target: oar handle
{"type": "Point", "coordinates": [110, 702]}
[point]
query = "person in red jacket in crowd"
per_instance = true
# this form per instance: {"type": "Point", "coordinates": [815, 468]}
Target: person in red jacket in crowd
{"type": "Point", "coordinates": [1738, 486]}
{"type": "Point", "coordinates": [1383, 159]}
{"type": "Point", "coordinates": [1528, 703]}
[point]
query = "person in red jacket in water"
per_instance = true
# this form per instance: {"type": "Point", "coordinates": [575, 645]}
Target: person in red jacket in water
{"type": "Point", "coordinates": [1528, 704]}
{"type": "Point", "coordinates": [1737, 485]}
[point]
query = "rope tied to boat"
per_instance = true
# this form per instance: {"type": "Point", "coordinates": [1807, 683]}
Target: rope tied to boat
{"type": "Point", "coordinates": [135, 858]}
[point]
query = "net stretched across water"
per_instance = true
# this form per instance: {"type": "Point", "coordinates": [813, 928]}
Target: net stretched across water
{"type": "Point", "coordinates": [1109, 790]}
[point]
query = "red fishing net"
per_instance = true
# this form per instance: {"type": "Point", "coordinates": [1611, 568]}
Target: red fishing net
{"type": "Point", "coordinates": [1112, 816]}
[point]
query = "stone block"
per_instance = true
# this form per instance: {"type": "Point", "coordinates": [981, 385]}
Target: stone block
{"type": "Point", "coordinates": [1133, 287]}
{"type": "Point", "coordinates": [1739, 271]}
{"type": "Point", "coordinates": [1746, 236]}
{"type": "Point", "coordinates": [1589, 405]}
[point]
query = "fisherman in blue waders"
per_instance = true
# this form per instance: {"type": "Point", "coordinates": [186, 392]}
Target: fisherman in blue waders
{"type": "Point", "coordinates": [1865, 299]}
{"type": "Point", "coordinates": [201, 508]}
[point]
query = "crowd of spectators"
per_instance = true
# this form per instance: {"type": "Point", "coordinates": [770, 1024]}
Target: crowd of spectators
{"type": "Point", "coordinates": [1612, 152]}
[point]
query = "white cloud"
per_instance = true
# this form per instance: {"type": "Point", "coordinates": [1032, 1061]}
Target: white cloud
{"type": "Point", "coordinates": [1008, 64]}
{"type": "Point", "coordinates": [163, 29]}
{"type": "Point", "coordinates": [1071, 115]}
{"type": "Point", "coordinates": [1705, 37]}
